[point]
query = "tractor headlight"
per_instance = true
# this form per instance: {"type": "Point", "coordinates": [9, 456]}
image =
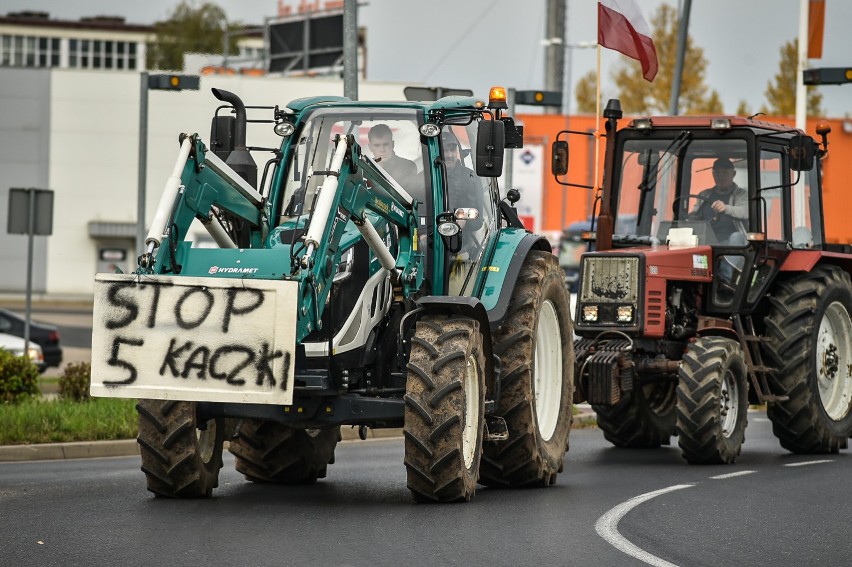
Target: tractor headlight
{"type": "Point", "coordinates": [590, 313]}
{"type": "Point", "coordinates": [624, 314]}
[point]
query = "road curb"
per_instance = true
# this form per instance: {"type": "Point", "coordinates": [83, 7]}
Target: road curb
{"type": "Point", "coordinates": [75, 450]}
{"type": "Point", "coordinates": [129, 447]}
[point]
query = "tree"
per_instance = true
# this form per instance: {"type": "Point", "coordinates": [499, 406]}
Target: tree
{"type": "Point", "coordinates": [781, 94]}
{"type": "Point", "coordinates": [638, 96]}
{"type": "Point", "coordinates": [189, 29]}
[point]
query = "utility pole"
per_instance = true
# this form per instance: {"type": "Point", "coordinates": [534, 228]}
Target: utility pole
{"type": "Point", "coordinates": [554, 60]}
{"type": "Point", "coordinates": [350, 49]}
{"type": "Point", "coordinates": [682, 34]}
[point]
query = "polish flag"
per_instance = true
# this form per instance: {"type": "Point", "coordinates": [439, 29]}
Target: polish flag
{"type": "Point", "coordinates": [622, 27]}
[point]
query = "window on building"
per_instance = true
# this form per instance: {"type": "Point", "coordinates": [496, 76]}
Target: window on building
{"type": "Point", "coordinates": [73, 46]}
{"type": "Point", "coordinates": [54, 52]}
{"type": "Point", "coordinates": [108, 59]}
{"type": "Point", "coordinates": [6, 45]}
{"type": "Point", "coordinates": [131, 55]}
{"type": "Point", "coordinates": [119, 54]}
{"type": "Point", "coordinates": [84, 53]}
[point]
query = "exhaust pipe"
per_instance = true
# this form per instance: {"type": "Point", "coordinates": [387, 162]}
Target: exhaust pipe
{"type": "Point", "coordinates": [239, 159]}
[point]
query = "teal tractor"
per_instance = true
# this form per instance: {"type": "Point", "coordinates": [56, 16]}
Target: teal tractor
{"type": "Point", "coordinates": [372, 278]}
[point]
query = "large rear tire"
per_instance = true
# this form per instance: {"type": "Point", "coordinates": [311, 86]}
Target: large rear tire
{"type": "Point", "coordinates": [444, 409]}
{"type": "Point", "coordinates": [712, 401]}
{"type": "Point", "coordinates": [535, 346]}
{"type": "Point", "coordinates": [643, 419]}
{"type": "Point", "coordinates": [267, 451]}
{"type": "Point", "coordinates": [180, 457]}
{"type": "Point", "coordinates": [810, 344]}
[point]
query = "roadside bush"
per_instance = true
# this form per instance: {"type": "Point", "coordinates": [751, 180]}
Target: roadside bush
{"type": "Point", "coordinates": [74, 382]}
{"type": "Point", "coordinates": [18, 378]}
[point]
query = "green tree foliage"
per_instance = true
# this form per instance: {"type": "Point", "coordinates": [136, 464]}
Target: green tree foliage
{"type": "Point", "coordinates": [191, 28]}
{"type": "Point", "coordinates": [781, 91]}
{"type": "Point", "coordinates": [585, 93]}
{"type": "Point", "coordinates": [638, 96]}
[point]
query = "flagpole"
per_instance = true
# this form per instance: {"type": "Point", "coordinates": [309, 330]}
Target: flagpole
{"type": "Point", "coordinates": [597, 121]}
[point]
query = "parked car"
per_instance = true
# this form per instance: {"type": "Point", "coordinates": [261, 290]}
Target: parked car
{"type": "Point", "coordinates": [15, 345]}
{"type": "Point", "coordinates": [43, 334]}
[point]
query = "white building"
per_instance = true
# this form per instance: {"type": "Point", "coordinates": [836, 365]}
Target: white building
{"type": "Point", "coordinates": [76, 132]}
{"type": "Point", "coordinates": [33, 40]}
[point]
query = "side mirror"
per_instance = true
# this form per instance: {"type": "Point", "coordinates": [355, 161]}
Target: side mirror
{"type": "Point", "coordinates": [802, 150]}
{"type": "Point", "coordinates": [490, 145]}
{"type": "Point", "coordinates": [559, 158]}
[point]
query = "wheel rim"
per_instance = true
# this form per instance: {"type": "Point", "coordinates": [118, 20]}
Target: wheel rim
{"type": "Point", "coordinates": [729, 403]}
{"type": "Point", "coordinates": [548, 370]}
{"type": "Point", "coordinates": [833, 360]}
{"type": "Point", "coordinates": [207, 441]}
{"type": "Point", "coordinates": [471, 411]}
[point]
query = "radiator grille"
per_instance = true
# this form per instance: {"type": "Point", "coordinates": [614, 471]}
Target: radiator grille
{"type": "Point", "coordinates": [610, 279]}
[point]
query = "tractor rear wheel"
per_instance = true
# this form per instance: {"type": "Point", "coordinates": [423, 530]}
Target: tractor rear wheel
{"type": "Point", "coordinates": [180, 457]}
{"type": "Point", "coordinates": [444, 409]}
{"type": "Point", "coordinates": [643, 419]}
{"type": "Point", "coordinates": [712, 401]}
{"type": "Point", "coordinates": [810, 344]}
{"type": "Point", "coordinates": [267, 451]}
{"type": "Point", "coordinates": [535, 346]}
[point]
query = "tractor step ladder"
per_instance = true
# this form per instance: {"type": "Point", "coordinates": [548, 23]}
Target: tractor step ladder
{"type": "Point", "coordinates": [757, 370]}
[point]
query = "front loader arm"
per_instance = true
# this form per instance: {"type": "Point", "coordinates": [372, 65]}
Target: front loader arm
{"type": "Point", "coordinates": [199, 182]}
{"type": "Point", "coordinates": [356, 190]}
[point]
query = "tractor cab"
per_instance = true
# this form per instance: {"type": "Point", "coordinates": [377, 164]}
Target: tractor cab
{"type": "Point", "coordinates": [736, 186]}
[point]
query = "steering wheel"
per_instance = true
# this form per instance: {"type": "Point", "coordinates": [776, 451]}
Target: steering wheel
{"type": "Point", "coordinates": [675, 206]}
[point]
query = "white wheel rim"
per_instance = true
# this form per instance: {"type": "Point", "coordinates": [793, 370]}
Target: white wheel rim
{"type": "Point", "coordinates": [471, 411]}
{"type": "Point", "coordinates": [206, 441]}
{"type": "Point", "coordinates": [729, 403]}
{"type": "Point", "coordinates": [547, 385]}
{"type": "Point", "coordinates": [833, 360]}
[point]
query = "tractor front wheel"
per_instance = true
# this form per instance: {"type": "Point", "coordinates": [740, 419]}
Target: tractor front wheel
{"type": "Point", "coordinates": [444, 409]}
{"type": "Point", "coordinates": [642, 419]}
{"type": "Point", "coordinates": [535, 346]}
{"type": "Point", "coordinates": [181, 458]}
{"type": "Point", "coordinates": [712, 401]}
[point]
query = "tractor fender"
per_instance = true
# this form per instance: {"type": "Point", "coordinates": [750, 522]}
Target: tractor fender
{"type": "Point", "coordinates": [502, 274]}
{"type": "Point", "coordinates": [806, 260]}
{"type": "Point", "coordinates": [469, 307]}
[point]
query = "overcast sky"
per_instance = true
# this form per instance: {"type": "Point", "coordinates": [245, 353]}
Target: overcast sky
{"type": "Point", "coordinates": [478, 43]}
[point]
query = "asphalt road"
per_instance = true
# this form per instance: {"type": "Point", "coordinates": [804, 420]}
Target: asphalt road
{"type": "Point", "coordinates": [770, 508]}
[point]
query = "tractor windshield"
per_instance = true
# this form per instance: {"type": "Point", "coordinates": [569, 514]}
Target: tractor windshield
{"type": "Point", "coordinates": [389, 136]}
{"type": "Point", "coordinates": [697, 186]}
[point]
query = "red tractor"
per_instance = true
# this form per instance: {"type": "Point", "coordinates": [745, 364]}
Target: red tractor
{"type": "Point", "coordinates": [710, 285]}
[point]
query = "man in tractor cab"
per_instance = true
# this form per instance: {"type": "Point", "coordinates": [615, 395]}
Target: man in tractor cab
{"type": "Point", "coordinates": [725, 205]}
{"type": "Point", "coordinates": [403, 171]}
{"type": "Point", "coordinates": [463, 186]}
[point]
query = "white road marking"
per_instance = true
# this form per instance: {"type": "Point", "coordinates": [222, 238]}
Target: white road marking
{"type": "Point", "coordinates": [607, 527]}
{"type": "Point", "coordinates": [731, 475]}
{"type": "Point", "coordinates": [806, 463]}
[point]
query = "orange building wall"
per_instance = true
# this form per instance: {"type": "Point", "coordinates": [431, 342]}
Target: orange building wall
{"type": "Point", "coordinates": [577, 203]}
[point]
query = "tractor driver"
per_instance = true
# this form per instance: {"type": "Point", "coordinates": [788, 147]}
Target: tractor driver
{"type": "Point", "coordinates": [726, 204]}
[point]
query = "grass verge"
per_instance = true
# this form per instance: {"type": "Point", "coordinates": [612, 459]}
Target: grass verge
{"type": "Point", "coordinates": [59, 421]}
